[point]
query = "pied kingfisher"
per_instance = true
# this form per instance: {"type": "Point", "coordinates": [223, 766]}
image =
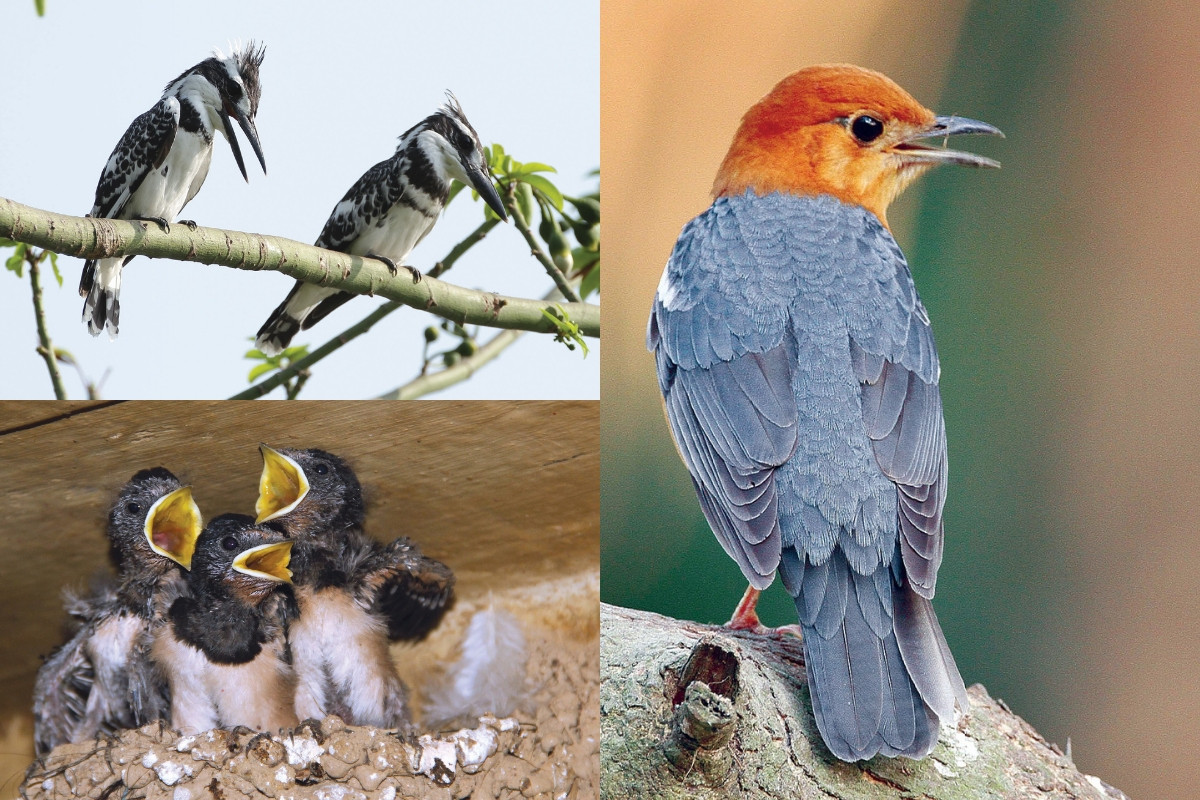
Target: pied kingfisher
{"type": "Point", "coordinates": [162, 160]}
{"type": "Point", "coordinates": [388, 211]}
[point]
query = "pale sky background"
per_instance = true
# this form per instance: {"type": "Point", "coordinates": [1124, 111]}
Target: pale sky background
{"type": "Point", "coordinates": [340, 83]}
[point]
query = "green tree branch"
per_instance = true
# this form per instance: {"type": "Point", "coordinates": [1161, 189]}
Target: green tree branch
{"type": "Point", "coordinates": [86, 237]}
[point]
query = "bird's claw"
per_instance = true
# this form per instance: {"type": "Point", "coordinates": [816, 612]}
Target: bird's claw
{"type": "Point", "coordinates": [159, 221]}
{"type": "Point", "coordinates": [416, 274]}
{"type": "Point", "coordinates": [391, 265]}
{"type": "Point", "coordinates": [191, 224]}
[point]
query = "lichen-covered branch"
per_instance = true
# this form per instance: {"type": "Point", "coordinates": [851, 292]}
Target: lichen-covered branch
{"type": "Point", "coordinates": [85, 237]}
{"type": "Point", "coordinates": [700, 711]}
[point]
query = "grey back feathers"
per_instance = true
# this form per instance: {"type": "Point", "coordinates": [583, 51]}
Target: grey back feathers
{"type": "Point", "coordinates": [800, 379]}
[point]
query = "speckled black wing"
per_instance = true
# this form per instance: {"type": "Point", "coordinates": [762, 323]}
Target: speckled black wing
{"type": "Point", "coordinates": [142, 149]}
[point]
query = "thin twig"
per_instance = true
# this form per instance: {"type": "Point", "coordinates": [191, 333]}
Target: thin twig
{"type": "Point", "coordinates": [556, 274]}
{"type": "Point", "coordinates": [44, 348]}
{"type": "Point", "coordinates": [430, 382]}
{"type": "Point", "coordinates": [465, 368]}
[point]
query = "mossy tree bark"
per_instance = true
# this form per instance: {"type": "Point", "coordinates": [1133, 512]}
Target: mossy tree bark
{"type": "Point", "coordinates": [699, 711]}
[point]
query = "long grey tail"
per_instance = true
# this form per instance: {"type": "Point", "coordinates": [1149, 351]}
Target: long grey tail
{"type": "Point", "coordinates": [879, 672]}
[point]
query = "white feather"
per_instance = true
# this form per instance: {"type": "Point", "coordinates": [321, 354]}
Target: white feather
{"type": "Point", "coordinates": [489, 678]}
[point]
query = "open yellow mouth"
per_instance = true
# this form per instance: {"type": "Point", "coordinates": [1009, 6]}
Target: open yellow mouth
{"type": "Point", "coordinates": [172, 526]}
{"type": "Point", "coordinates": [282, 485]}
{"type": "Point", "coordinates": [268, 561]}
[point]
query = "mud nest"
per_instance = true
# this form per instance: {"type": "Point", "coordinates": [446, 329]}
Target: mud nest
{"type": "Point", "coordinates": [553, 752]}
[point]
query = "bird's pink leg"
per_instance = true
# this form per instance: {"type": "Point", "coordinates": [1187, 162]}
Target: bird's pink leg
{"type": "Point", "coordinates": [745, 618]}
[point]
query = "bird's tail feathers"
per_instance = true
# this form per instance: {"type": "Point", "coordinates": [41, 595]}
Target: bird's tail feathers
{"type": "Point", "coordinates": [872, 707]}
{"type": "Point", "coordinates": [927, 656]}
{"type": "Point", "coordinates": [102, 305]}
{"type": "Point", "coordinates": [276, 333]}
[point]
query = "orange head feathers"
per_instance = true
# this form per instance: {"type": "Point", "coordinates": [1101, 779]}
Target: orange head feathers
{"type": "Point", "coordinates": [840, 130]}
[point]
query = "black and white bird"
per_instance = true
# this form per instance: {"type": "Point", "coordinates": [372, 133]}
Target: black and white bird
{"type": "Point", "coordinates": [102, 679]}
{"type": "Point", "coordinates": [354, 594]}
{"type": "Point", "coordinates": [388, 211]}
{"type": "Point", "coordinates": [224, 650]}
{"type": "Point", "coordinates": [162, 160]}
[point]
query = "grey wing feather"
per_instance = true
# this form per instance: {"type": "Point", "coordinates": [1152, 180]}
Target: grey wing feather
{"type": "Point", "coordinates": [61, 692]}
{"type": "Point", "coordinates": [902, 412]}
{"type": "Point", "coordinates": [735, 422]}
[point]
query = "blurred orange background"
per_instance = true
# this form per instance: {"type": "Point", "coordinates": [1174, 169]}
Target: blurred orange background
{"type": "Point", "coordinates": [1065, 296]}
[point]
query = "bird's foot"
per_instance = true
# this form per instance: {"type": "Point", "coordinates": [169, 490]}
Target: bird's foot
{"type": "Point", "coordinates": [745, 618]}
{"type": "Point", "coordinates": [191, 224]}
{"type": "Point", "coordinates": [391, 265]}
{"type": "Point", "coordinates": [159, 221]}
{"type": "Point", "coordinates": [416, 273]}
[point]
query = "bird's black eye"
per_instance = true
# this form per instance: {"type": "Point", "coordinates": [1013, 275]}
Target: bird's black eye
{"type": "Point", "coordinates": [133, 507]}
{"type": "Point", "coordinates": [321, 468]}
{"type": "Point", "coordinates": [229, 543]}
{"type": "Point", "coordinates": [866, 128]}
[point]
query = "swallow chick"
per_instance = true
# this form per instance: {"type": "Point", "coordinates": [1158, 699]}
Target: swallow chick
{"type": "Point", "coordinates": [102, 679]}
{"type": "Point", "coordinates": [225, 651]}
{"type": "Point", "coordinates": [354, 594]}
{"type": "Point", "coordinates": [396, 581]}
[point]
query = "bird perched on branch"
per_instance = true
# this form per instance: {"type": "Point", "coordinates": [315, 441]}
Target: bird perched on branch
{"type": "Point", "coordinates": [388, 211]}
{"type": "Point", "coordinates": [800, 379]}
{"type": "Point", "coordinates": [162, 160]}
{"type": "Point", "coordinates": [103, 679]}
{"type": "Point", "coordinates": [224, 652]}
{"type": "Point", "coordinates": [354, 594]}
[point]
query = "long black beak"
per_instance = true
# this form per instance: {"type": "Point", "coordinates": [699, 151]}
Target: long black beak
{"type": "Point", "coordinates": [948, 126]}
{"type": "Point", "coordinates": [482, 182]}
{"type": "Point", "coordinates": [247, 126]}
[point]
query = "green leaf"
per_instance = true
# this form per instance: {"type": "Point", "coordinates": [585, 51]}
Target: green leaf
{"type": "Point", "coordinates": [260, 370]}
{"type": "Point", "coordinates": [16, 262]}
{"type": "Point", "coordinates": [537, 166]}
{"type": "Point", "coordinates": [7, 242]}
{"type": "Point", "coordinates": [590, 282]}
{"type": "Point", "coordinates": [54, 265]}
{"type": "Point", "coordinates": [255, 354]}
{"type": "Point", "coordinates": [568, 330]}
{"type": "Point", "coordinates": [455, 188]}
{"type": "Point", "coordinates": [547, 189]}
{"type": "Point", "coordinates": [40, 5]}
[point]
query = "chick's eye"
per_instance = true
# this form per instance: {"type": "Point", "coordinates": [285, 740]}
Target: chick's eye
{"type": "Point", "coordinates": [133, 507]}
{"type": "Point", "coordinates": [229, 543]}
{"type": "Point", "coordinates": [321, 469]}
{"type": "Point", "coordinates": [866, 128]}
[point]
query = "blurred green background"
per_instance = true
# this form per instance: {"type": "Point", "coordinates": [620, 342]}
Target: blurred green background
{"type": "Point", "coordinates": [1065, 296]}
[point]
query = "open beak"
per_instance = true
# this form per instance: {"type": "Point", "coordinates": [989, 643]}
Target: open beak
{"type": "Point", "coordinates": [482, 181]}
{"type": "Point", "coordinates": [172, 526]}
{"type": "Point", "coordinates": [282, 485]}
{"type": "Point", "coordinates": [268, 561]}
{"type": "Point", "coordinates": [247, 126]}
{"type": "Point", "coordinates": [912, 151]}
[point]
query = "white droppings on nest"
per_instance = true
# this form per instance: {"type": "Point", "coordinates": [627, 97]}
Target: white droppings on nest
{"type": "Point", "coordinates": [281, 775]}
{"type": "Point", "coordinates": [302, 750]}
{"type": "Point", "coordinates": [473, 747]}
{"type": "Point", "coordinates": [438, 759]}
{"type": "Point", "coordinates": [182, 793]}
{"type": "Point", "coordinates": [170, 773]}
{"type": "Point", "coordinates": [150, 759]}
{"type": "Point", "coordinates": [185, 744]}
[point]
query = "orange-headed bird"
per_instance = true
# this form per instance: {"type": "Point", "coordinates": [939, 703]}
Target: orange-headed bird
{"type": "Point", "coordinates": [801, 383]}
